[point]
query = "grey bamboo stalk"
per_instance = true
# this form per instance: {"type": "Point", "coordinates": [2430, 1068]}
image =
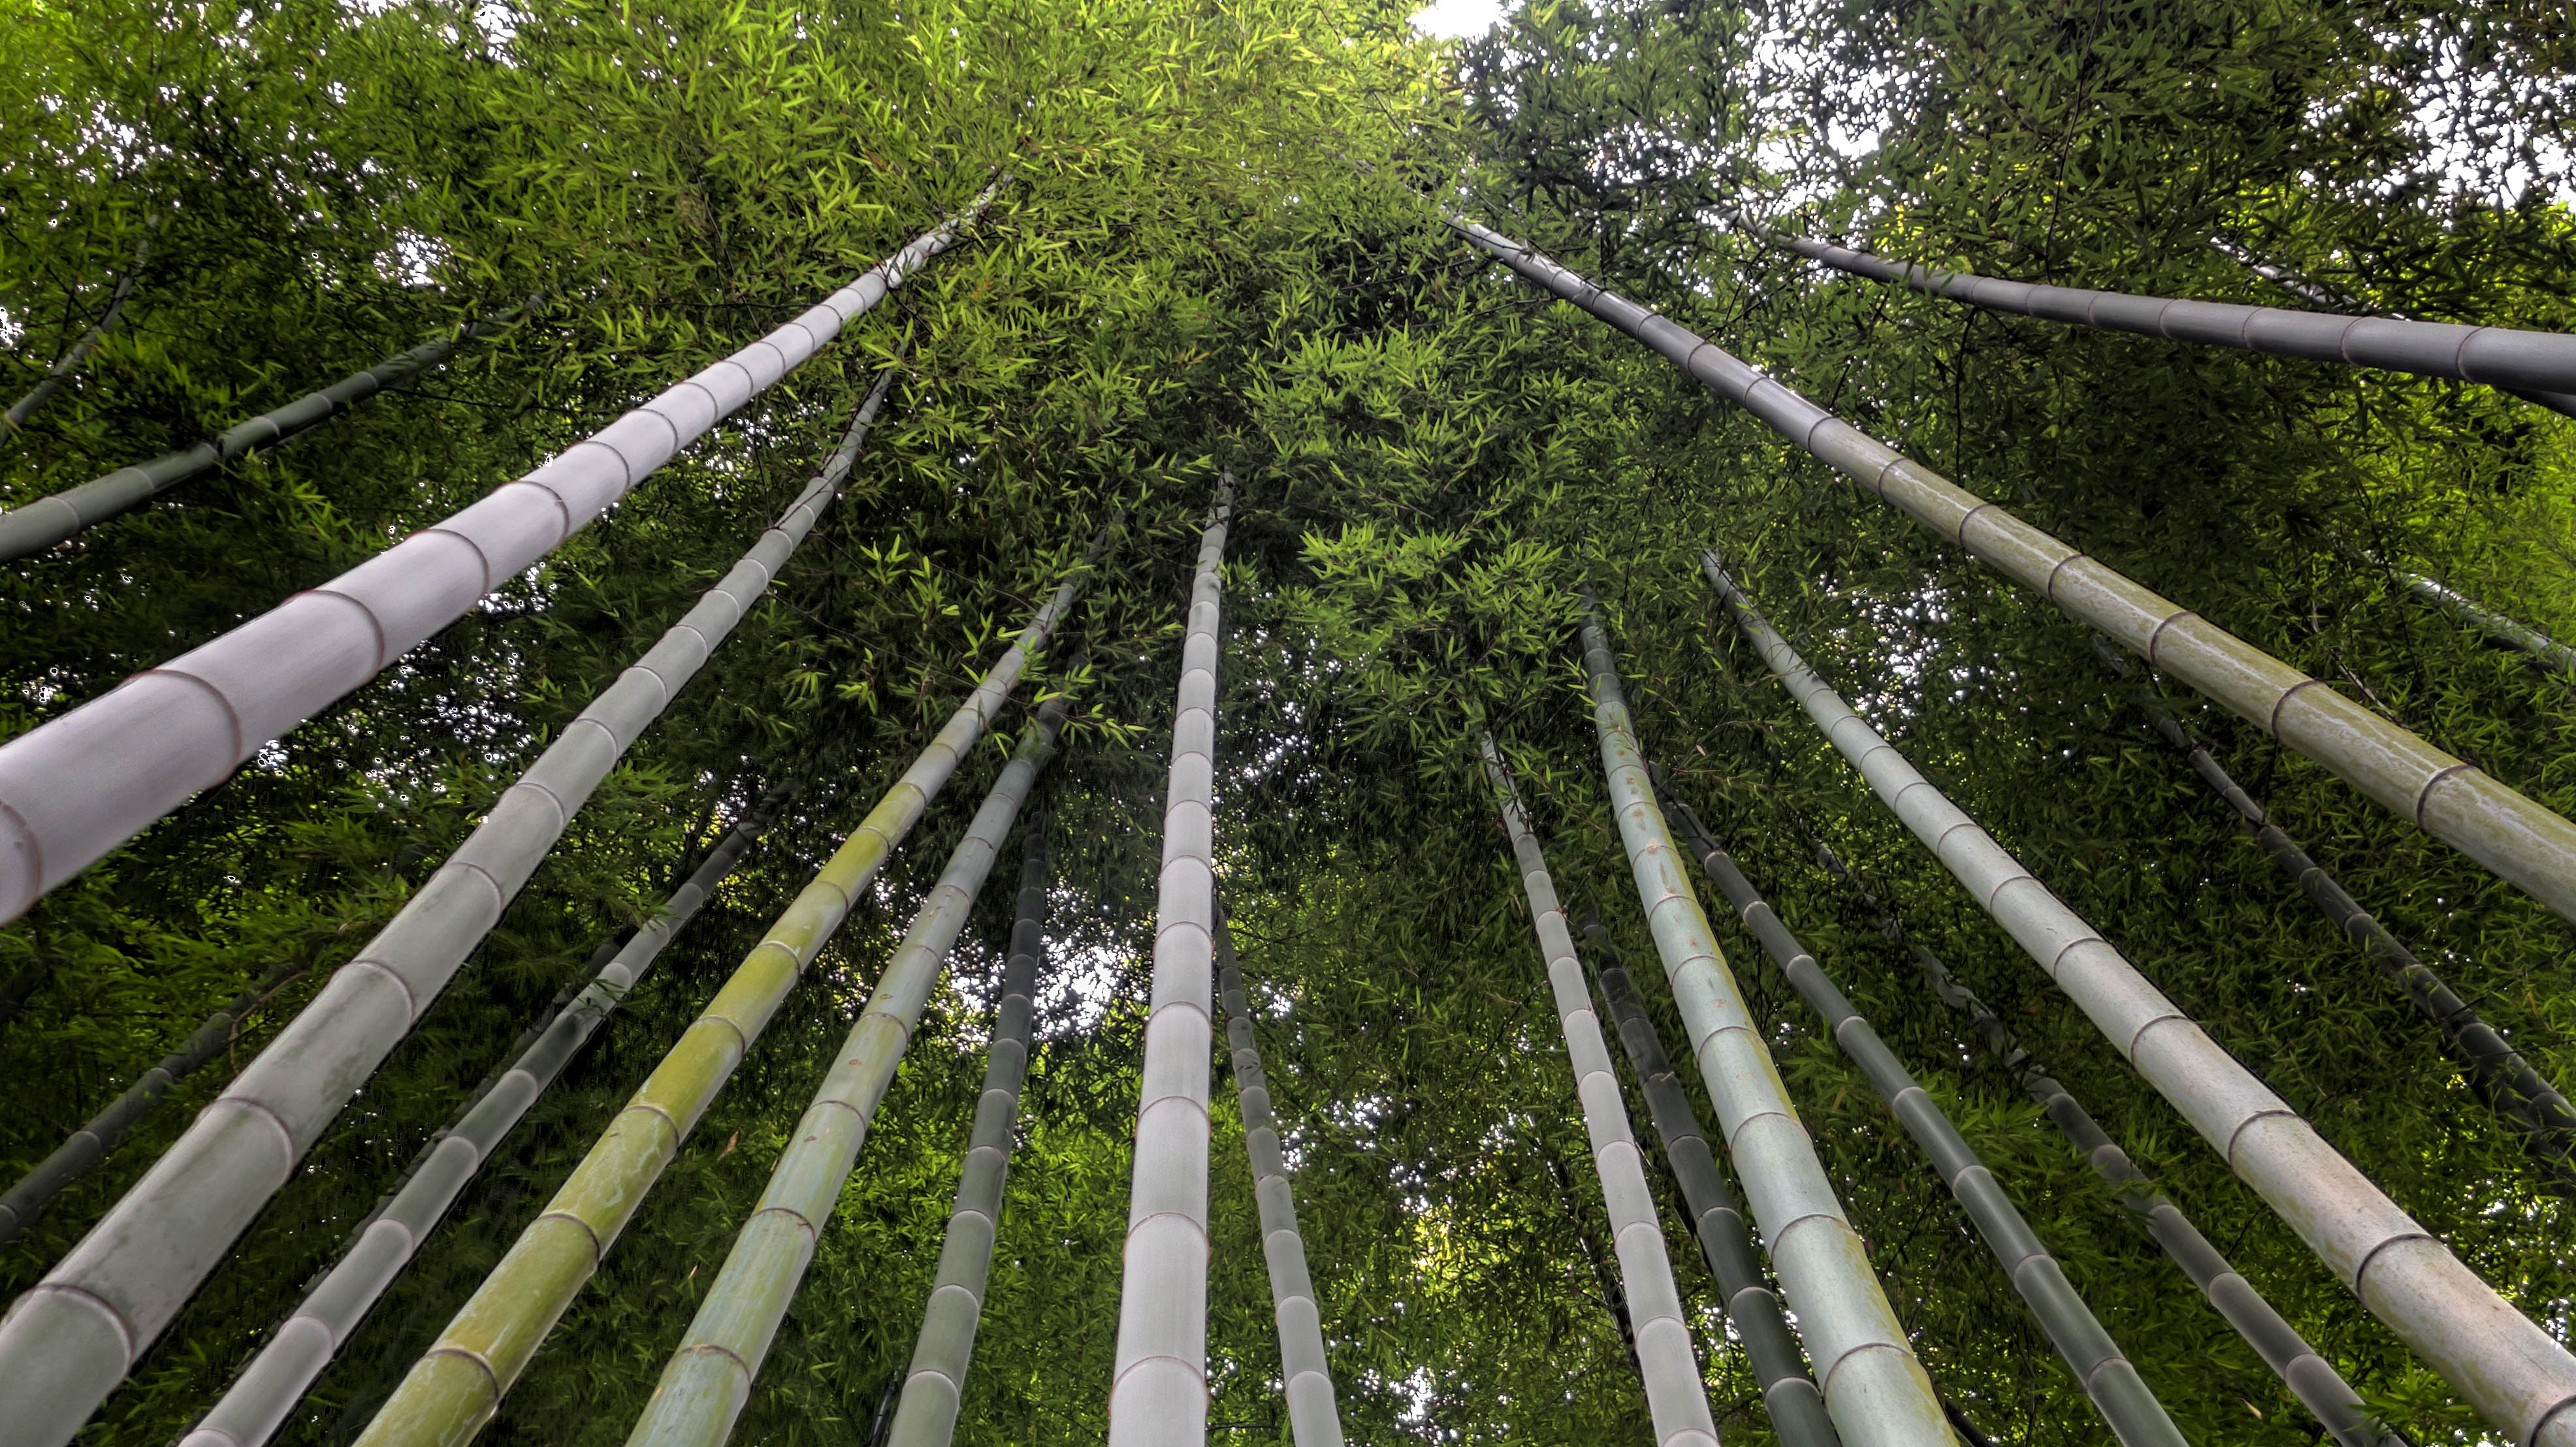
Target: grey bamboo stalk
{"type": "Point", "coordinates": [2106, 1374]}
{"type": "Point", "coordinates": [1796, 1408]}
{"type": "Point", "coordinates": [2519, 1378]}
{"type": "Point", "coordinates": [1877, 1393]}
{"type": "Point", "coordinates": [48, 520]}
{"type": "Point", "coordinates": [709, 1378]}
{"type": "Point", "coordinates": [1676, 1397]}
{"type": "Point", "coordinates": [73, 355]}
{"type": "Point", "coordinates": [65, 1343]}
{"type": "Point", "coordinates": [2452, 800]}
{"type": "Point", "coordinates": [81, 784]}
{"type": "Point", "coordinates": [926, 1415]}
{"type": "Point", "coordinates": [1314, 1418]}
{"type": "Point", "coordinates": [2308, 1375]}
{"type": "Point", "coordinates": [1158, 1389]}
{"type": "Point", "coordinates": [267, 1390]}
{"type": "Point", "coordinates": [2538, 1113]}
{"type": "Point", "coordinates": [2548, 652]}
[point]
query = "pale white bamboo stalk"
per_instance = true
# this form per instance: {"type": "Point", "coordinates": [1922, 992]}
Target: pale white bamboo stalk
{"type": "Point", "coordinates": [1158, 1394]}
{"type": "Point", "coordinates": [2514, 1373]}
{"type": "Point", "coordinates": [84, 783]}
{"type": "Point", "coordinates": [1676, 1396]}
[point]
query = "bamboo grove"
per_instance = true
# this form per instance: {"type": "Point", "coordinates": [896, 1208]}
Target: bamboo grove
{"type": "Point", "coordinates": [1986, 588]}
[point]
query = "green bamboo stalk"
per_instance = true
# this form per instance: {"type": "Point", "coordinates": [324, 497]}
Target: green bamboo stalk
{"type": "Point", "coordinates": [926, 1415]}
{"type": "Point", "coordinates": [1314, 1419]}
{"type": "Point", "coordinates": [1796, 1408]}
{"type": "Point", "coordinates": [73, 355]}
{"type": "Point", "coordinates": [48, 520]}
{"type": "Point", "coordinates": [2452, 800]}
{"type": "Point", "coordinates": [2515, 1374]}
{"type": "Point", "coordinates": [261, 1398]}
{"type": "Point", "coordinates": [1877, 1393]}
{"type": "Point", "coordinates": [2548, 652]}
{"type": "Point", "coordinates": [709, 1378]}
{"type": "Point", "coordinates": [2107, 1376]}
{"type": "Point", "coordinates": [1676, 1397]}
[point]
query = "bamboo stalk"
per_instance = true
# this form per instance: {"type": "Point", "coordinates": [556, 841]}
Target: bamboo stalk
{"type": "Point", "coordinates": [1676, 1397]}
{"type": "Point", "coordinates": [73, 355]}
{"type": "Point", "coordinates": [2107, 1376]}
{"type": "Point", "coordinates": [267, 1390]}
{"type": "Point", "coordinates": [709, 1378]}
{"type": "Point", "coordinates": [2452, 800]}
{"type": "Point", "coordinates": [1158, 1390]}
{"type": "Point", "coordinates": [1796, 1408]}
{"type": "Point", "coordinates": [84, 783]}
{"type": "Point", "coordinates": [926, 1415]}
{"type": "Point", "coordinates": [48, 520]}
{"type": "Point", "coordinates": [2518, 1377]}
{"type": "Point", "coordinates": [1314, 1419]}
{"type": "Point", "coordinates": [2548, 652]}
{"type": "Point", "coordinates": [1877, 1393]}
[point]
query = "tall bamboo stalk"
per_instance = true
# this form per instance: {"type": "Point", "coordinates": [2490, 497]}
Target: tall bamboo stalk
{"type": "Point", "coordinates": [86, 782]}
{"type": "Point", "coordinates": [2107, 1376]}
{"type": "Point", "coordinates": [1158, 1392]}
{"type": "Point", "coordinates": [73, 355]}
{"type": "Point", "coordinates": [2452, 800]}
{"type": "Point", "coordinates": [278, 1377]}
{"type": "Point", "coordinates": [1796, 1408]}
{"type": "Point", "coordinates": [49, 520]}
{"type": "Point", "coordinates": [2515, 1374]}
{"type": "Point", "coordinates": [926, 1416]}
{"type": "Point", "coordinates": [1676, 1397]}
{"type": "Point", "coordinates": [709, 1378]}
{"type": "Point", "coordinates": [2548, 652]}
{"type": "Point", "coordinates": [1314, 1419]}
{"type": "Point", "coordinates": [1877, 1393]}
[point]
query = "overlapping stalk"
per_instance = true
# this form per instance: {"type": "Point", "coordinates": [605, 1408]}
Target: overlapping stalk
{"type": "Point", "coordinates": [926, 1416]}
{"type": "Point", "coordinates": [49, 520]}
{"type": "Point", "coordinates": [2548, 652]}
{"type": "Point", "coordinates": [2515, 1374]}
{"type": "Point", "coordinates": [65, 1344]}
{"type": "Point", "coordinates": [1796, 1408]}
{"type": "Point", "coordinates": [1676, 1397]}
{"type": "Point", "coordinates": [2450, 799]}
{"type": "Point", "coordinates": [1314, 1418]}
{"type": "Point", "coordinates": [84, 783]}
{"type": "Point", "coordinates": [709, 1378]}
{"type": "Point", "coordinates": [1877, 1393]}
{"type": "Point", "coordinates": [2107, 1376]}
{"type": "Point", "coordinates": [278, 1377]}
{"type": "Point", "coordinates": [1158, 1393]}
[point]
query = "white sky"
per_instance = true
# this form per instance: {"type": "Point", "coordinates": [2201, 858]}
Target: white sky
{"type": "Point", "coordinates": [1458, 18]}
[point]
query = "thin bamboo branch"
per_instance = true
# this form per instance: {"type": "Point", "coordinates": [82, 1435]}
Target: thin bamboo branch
{"type": "Point", "coordinates": [2515, 1374]}
{"type": "Point", "coordinates": [2548, 652]}
{"type": "Point", "coordinates": [25, 407]}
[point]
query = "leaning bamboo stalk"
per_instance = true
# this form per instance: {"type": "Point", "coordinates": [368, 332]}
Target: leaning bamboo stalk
{"type": "Point", "coordinates": [1158, 1387]}
{"type": "Point", "coordinates": [48, 520]}
{"type": "Point", "coordinates": [2519, 1378]}
{"type": "Point", "coordinates": [80, 785]}
{"type": "Point", "coordinates": [2109, 1379]}
{"type": "Point", "coordinates": [2551, 654]}
{"type": "Point", "coordinates": [1676, 1397]}
{"type": "Point", "coordinates": [1314, 1419]}
{"type": "Point", "coordinates": [278, 1377]}
{"type": "Point", "coordinates": [926, 1415]}
{"type": "Point", "coordinates": [1875, 1389]}
{"type": "Point", "coordinates": [2454, 801]}
{"type": "Point", "coordinates": [709, 1378]}
{"type": "Point", "coordinates": [73, 355]}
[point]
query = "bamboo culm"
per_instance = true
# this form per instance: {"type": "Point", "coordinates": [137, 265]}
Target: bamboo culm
{"type": "Point", "coordinates": [1314, 1418]}
{"type": "Point", "coordinates": [2107, 1376]}
{"type": "Point", "coordinates": [709, 1378]}
{"type": "Point", "coordinates": [1796, 1408]}
{"type": "Point", "coordinates": [926, 1414]}
{"type": "Point", "coordinates": [2307, 1374]}
{"type": "Point", "coordinates": [1875, 1389]}
{"type": "Point", "coordinates": [286, 1367]}
{"type": "Point", "coordinates": [2546, 651]}
{"type": "Point", "coordinates": [80, 785]}
{"type": "Point", "coordinates": [48, 520]}
{"type": "Point", "coordinates": [454, 1389]}
{"type": "Point", "coordinates": [1676, 1396]}
{"type": "Point", "coordinates": [2519, 1378]}
{"type": "Point", "coordinates": [67, 1342]}
{"type": "Point", "coordinates": [73, 355]}
{"type": "Point", "coordinates": [2452, 800]}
